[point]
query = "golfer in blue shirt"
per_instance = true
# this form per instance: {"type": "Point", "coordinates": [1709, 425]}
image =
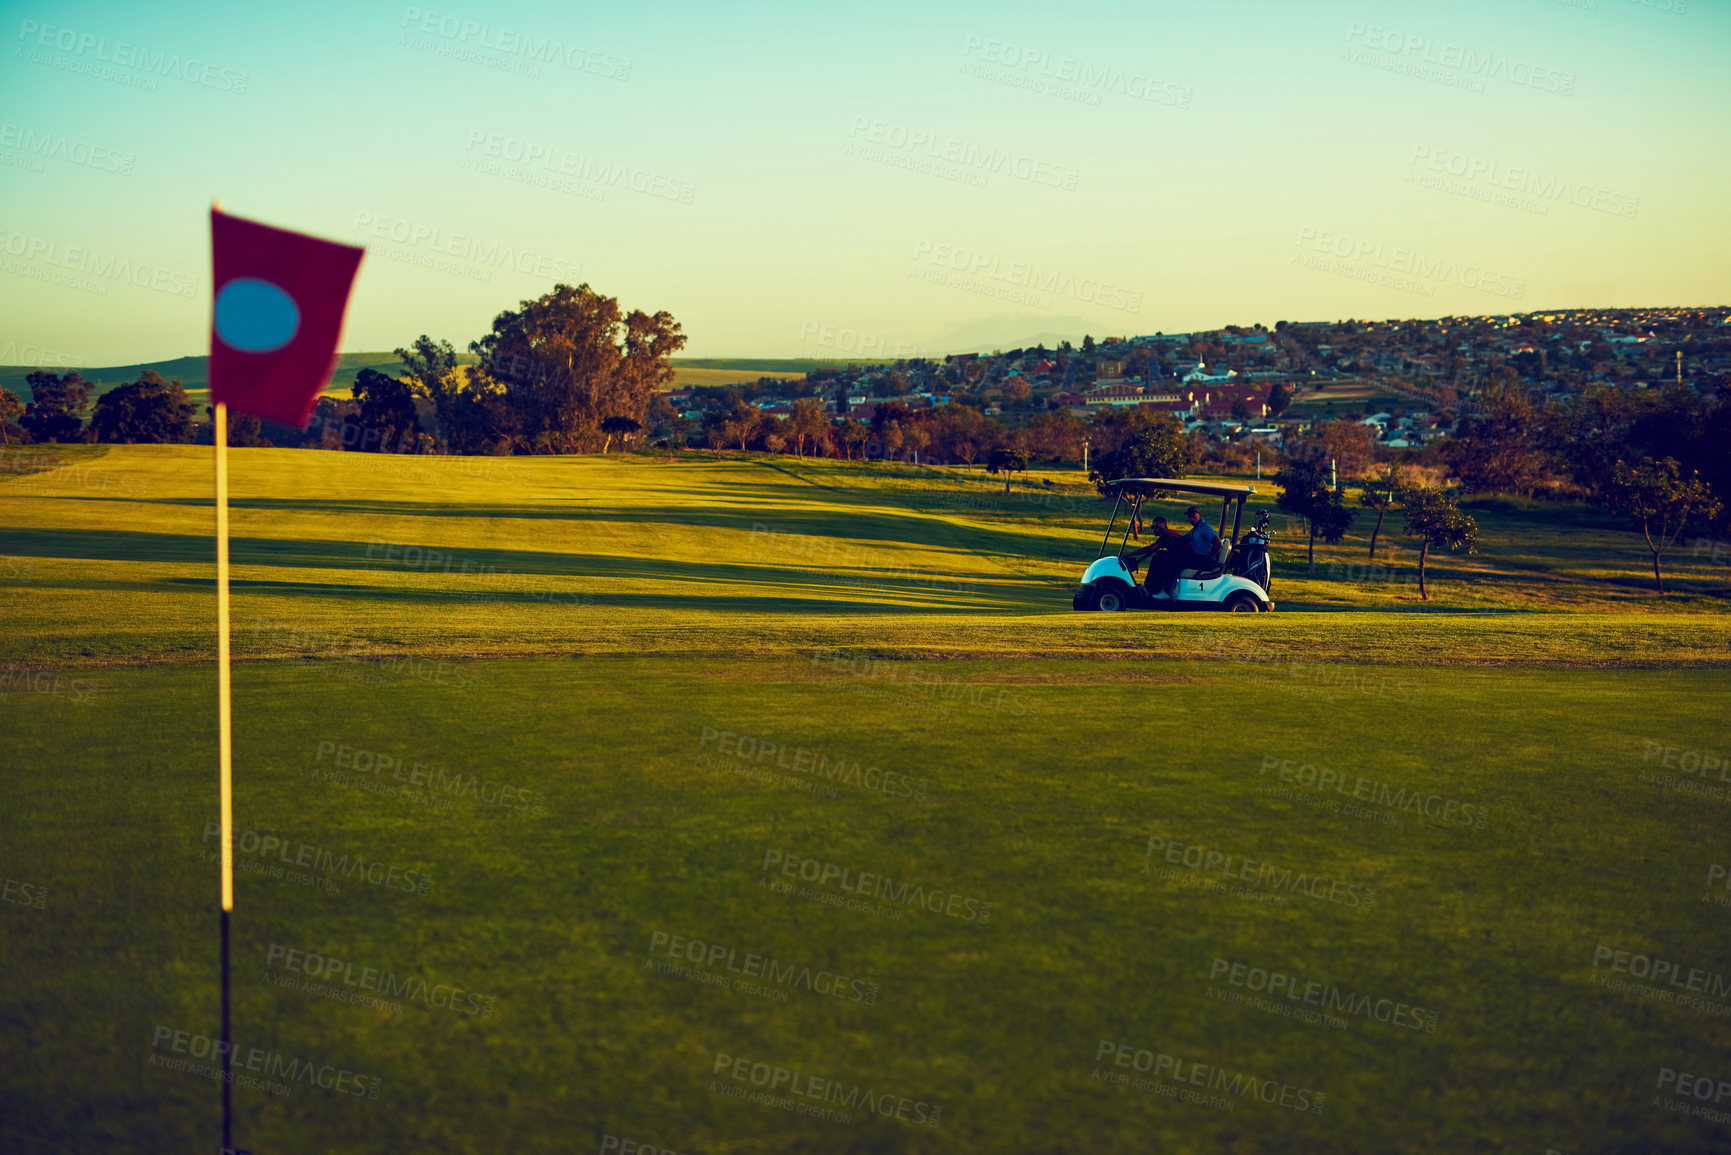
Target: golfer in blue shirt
{"type": "Point", "coordinates": [1203, 540]}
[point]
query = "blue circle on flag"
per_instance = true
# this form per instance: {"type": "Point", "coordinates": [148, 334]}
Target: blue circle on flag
{"type": "Point", "coordinates": [256, 316]}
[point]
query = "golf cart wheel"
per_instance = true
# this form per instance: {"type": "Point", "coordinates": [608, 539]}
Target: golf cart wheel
{"type": "Point", "coordinates": [1111, 599]}
{"type": "Point", "coordinates": [1242, 603]}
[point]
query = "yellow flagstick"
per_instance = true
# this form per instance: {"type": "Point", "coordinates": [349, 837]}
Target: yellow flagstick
{"type": "Point", "coordinates": [224, 753]}
{"type": "Point", "coordinates": [225, 761]}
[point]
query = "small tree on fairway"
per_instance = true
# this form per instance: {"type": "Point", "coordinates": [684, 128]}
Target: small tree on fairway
{"type": "Point", "coordinates": [620, 427]}
{"type": "Point", "coordinates": [1008, 462]}
{"type": "Point", "coordinates": [1381, 495]}
{"type": "Point", "coordinates": [1435, 518]}
{"type": "Point", "coordinates": [1304, 491]}
{"type": "Point", "coordinates": [1659, 499]}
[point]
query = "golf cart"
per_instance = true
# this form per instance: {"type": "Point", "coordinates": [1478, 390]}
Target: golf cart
{"type": "Point", "coordinates": [1236, 579]}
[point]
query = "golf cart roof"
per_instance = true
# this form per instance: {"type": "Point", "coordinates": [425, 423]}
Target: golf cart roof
{"type": "Point", "coordinates": [1213, 488]}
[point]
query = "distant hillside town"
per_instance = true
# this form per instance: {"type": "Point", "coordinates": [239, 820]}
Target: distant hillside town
{"type": "Point", "coordinates": [1409, 382]}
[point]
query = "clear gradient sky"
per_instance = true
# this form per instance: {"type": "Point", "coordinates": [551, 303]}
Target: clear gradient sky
{"type": "Point", "coordinates": [1113, 168]}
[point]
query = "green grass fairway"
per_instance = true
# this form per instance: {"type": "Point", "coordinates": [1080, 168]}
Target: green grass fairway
{"type": "Point", "coordinates": [687, 376]}
{"type": "Point", "coordinates": [989, 875]}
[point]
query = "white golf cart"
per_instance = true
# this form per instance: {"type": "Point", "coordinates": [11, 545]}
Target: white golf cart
{"type": "Point", "coordinates": [1236, 579]}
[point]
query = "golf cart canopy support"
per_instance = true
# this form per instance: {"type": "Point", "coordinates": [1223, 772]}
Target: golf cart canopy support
{"type": "Point", "coordinates": [1139, 487]}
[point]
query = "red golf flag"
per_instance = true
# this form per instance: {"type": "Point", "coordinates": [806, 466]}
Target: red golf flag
{"type": "Point", "coordinates": [280, 298]}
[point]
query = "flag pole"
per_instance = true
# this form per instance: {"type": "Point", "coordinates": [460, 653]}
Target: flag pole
{"type": "Point", "coordinates": [224, 752]}
{"type": "Point", "coordinates": [225, 763]}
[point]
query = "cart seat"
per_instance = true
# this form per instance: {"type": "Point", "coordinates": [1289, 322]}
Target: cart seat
{"type": "Point", "coordinates": [1208, 571]}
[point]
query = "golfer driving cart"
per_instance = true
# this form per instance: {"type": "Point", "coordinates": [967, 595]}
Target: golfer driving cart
{"type": "Point", "coordinates": [1200, 570]}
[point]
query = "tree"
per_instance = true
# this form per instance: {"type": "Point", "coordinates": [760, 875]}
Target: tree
{"type": "Point", "coordinates": [1304, 491]}
{"type": "Point", "coordinates": [565, 361]}
{"type": "Point", "coordinates": [962, 432]}
{"type": "Point", "coordinates": [1279, 399]}
{"type": "Point", "coordinates": [620, 427]}
{"type": "Point", "coordinates": [244, 431]}
{"type": "Point", "coordinates": [1498, 447]}
{"type": "Point", "coordinates": [1057, 436]}
{"type": "Point", "coordinates": [1658, 498]}
{"type": "Point", "coordinates": [149, 411]}
{"type": "Point", "coordinates": [387, 420]}
{"type": "Point", "coordinates": [1008, 462]}
{"type": "Point", "coordinates": [436, 376]}
{"type": "Point", "coordinates": [1435, 518]}
{"type": "Point", "coordinates": [11, 408]}
{"type": "Point", "coordinates": [1160, 449]}
{"type": "Point", "coordinates": [809, 424]}
{"type": "Point", "coordinates": [854, 435]}
{"type": "Point", "coordinates": [738, 426]}
{"type": "Point", "coordinates": [1382, 495]}
{"type": "Point", "coordinates": [56, 409]}
{"type": "Point", "coordinates": [1347, 444]}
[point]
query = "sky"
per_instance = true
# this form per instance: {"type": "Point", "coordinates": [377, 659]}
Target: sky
{"type": "Point", "coordinates": [893, 179]}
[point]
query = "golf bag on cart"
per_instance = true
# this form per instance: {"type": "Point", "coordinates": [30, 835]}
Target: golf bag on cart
{"type": "Point", "coordinates": [1252, 553]}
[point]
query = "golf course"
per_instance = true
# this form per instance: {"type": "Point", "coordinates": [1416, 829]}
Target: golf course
{"type": "Point", "coordinates": [733, 802]}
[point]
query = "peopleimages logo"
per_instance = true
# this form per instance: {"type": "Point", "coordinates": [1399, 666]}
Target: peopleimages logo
{"type": "Point", "coordinates": [101, 266]}
{"type": "Point", "coordinates": [1478, 65]}
{"type": "Point", "coordinates": [1325, 996]}
{"type": "Point", "coordinates": [866, 885]}
{"type": "Point", "coordinates": [1069, 77]}
{"type": "Point", "coordinates": [1207, 1075]}
{"type": "Point", "coordinates": [46, 145]}
{"type": "Point", "coordinates": [1023, 276]}
{"type": "Point", "coordinates": [1442, 809]}
{"type": "Point", "coordinates": [1519, 179]}
{"type": "Point", "coordinates": [465, 247]}
{"type": "Point", "coordinates": [327, 968]}
{"type": "Point", "coordinates": [990, 161]}
{"type": "Point", "coordinates": [1257, 872]}
{"type": "Point", "coordinates": [797, 1085]}
{"type": "Point", "coordinates": [577, 166]}
{"type": "Point", "coordinates": [1659, 970]}
{"type": "Point", "coordinates": [1411, 264]}
{"type": "Point", "coordinates": [516, 42]}
{"type": "Point", "coordinates": [270, 1064]}
{"type": "Point", "coordinates": [760, 751]}
{"type": "Point", "coordinates": [767, 968]}
{"type": "Point", "coordinates": [125, 54]}
{"type": "Point", "coordinates": [305, 855]}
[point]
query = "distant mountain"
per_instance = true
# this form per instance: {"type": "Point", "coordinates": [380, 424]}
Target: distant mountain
{"type": "Point", "coordinates": [191, 373]}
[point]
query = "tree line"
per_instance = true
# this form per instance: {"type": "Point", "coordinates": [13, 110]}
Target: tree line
{"type": "Point", "coordinates": [568, 372]}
